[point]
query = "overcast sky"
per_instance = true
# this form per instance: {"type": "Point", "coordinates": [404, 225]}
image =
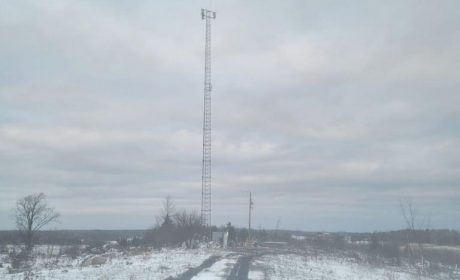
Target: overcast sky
{"type": "Point", "coordinates": [330, 112]}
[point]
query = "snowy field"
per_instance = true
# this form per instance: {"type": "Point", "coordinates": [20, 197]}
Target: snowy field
{"type": "Point", "coordinates": [146, 265]}
{"type": "Point", "coordinates": [155, 264]}
{"type": "Point", "coordinates": [277, 267]}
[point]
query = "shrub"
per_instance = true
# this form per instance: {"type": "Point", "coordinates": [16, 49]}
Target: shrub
{"type": "Point", "coordinates": [18, 260]}
{"type": "Point", "coordinates": [72, 251]}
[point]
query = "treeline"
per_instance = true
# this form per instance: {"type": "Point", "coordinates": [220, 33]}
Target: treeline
{"type": "Point", "coordinates": [71, 237]}
{"type": "Point", "coordinates": [427, 236]}
{"type": "Point", "coordinates": [236, 235]}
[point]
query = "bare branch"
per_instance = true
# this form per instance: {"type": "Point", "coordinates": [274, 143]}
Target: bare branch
{"type": "Point", "coordinates": [32, 214]}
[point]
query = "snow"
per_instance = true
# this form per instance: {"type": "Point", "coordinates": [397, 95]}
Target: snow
{"type": "Point", "coordinates": [300, 267]}
{"type": "Point", "coordinates": [148, 265]}
{"type": "Point", "coordinates": [220, 270]}
{"type": "Point", "coordinates": [138, 264]}
{"type": "Point", "coordinates": [256, 275]}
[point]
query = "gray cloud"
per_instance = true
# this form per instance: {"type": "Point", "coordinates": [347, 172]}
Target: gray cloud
{"type": "Point", "coordinates": [330, 112]}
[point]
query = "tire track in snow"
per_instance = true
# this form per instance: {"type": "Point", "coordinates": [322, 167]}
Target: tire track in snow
{"type": "Point", "coordinates": [241, 269]}
{"type": "Point", "coordinates": [192, 272]}
{"type": "Point", "coordinates": [219, 270]}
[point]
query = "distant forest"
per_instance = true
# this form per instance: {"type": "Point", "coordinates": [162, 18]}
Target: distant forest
{"type": "Point", "coordinates": [74, 237]}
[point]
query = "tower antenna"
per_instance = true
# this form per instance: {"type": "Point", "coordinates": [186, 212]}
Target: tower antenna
{"type": "Point", "coordinates": [207, 15]}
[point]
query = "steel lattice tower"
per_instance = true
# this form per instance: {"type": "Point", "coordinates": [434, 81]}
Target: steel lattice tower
{"type": "Point", "coordinates": [207, 15]}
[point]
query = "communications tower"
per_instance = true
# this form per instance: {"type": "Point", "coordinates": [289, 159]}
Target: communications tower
{"type": "Point", "coordinates": [207, 15]}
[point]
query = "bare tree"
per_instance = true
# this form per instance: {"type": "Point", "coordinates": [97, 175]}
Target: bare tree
{"type": "Point", "coordinates": [164, 231]}
{"type": "Point", "coordinates": [414, 227]}
{"type": "Point", "coordinates": [167, 212]}
{"type": "Point", "coordinates": [409, 214]}
{"type": "Point", "coordinates": [189, 226]}
{"type": "Point", "coordinates": [32, 213]}
{"type": "Point", "coordinates": [173, 227]}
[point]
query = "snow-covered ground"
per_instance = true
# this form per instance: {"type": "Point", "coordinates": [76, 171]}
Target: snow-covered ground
{"type": "Point", "coordinates": [256, 275]}
{"type": "Point", "coordinates": [220, 270]}
{"type": "Point", "coordinates": [147, 265]}
{"type": "Point", "coordinates": [153, 264]}
{"type": "Point", "coordinates": [277, 267]}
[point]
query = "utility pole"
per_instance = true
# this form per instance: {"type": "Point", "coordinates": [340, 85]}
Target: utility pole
{"type": "Point", "coordinates": [251, 205]}
{"type": "Point", "coordinates": [207, 15]}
